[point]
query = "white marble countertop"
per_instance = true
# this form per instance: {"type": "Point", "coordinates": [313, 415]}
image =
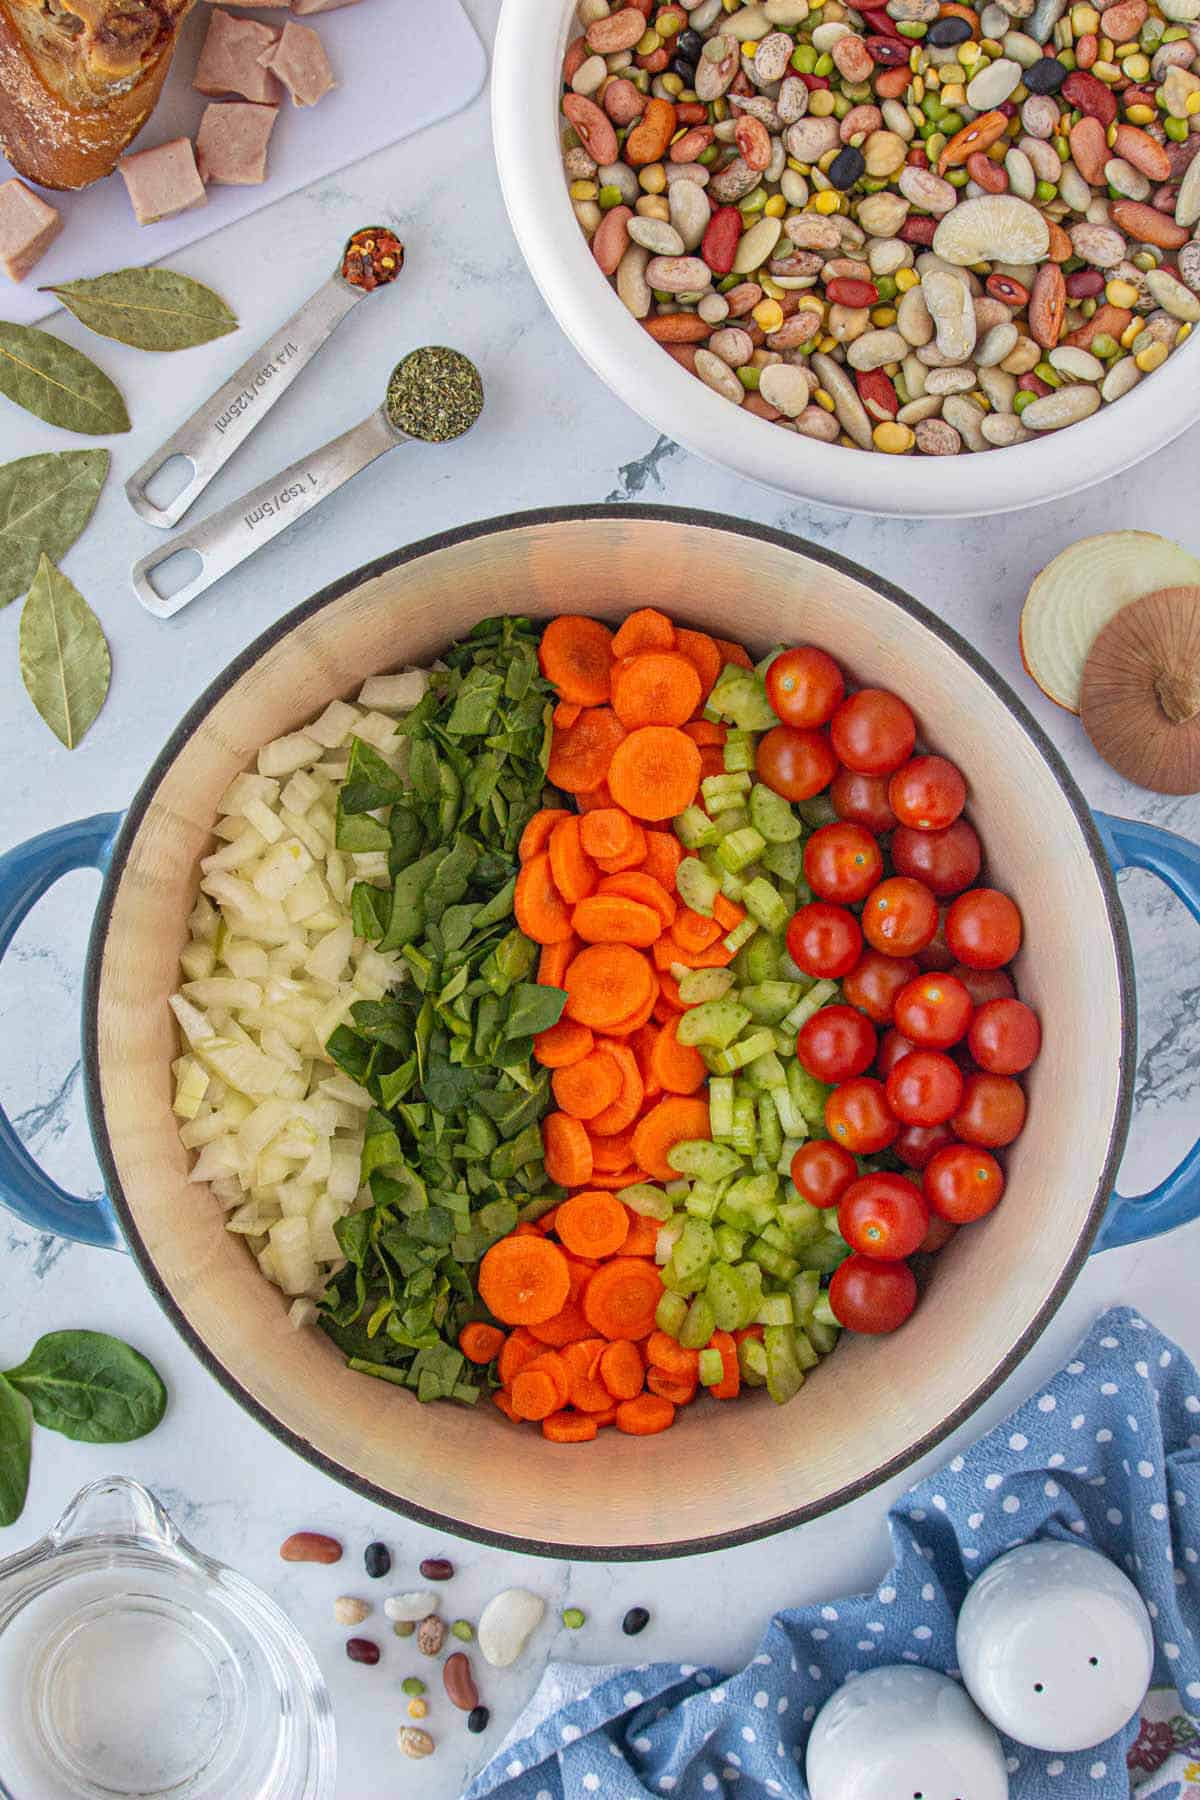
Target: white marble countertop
{"type": "Point", "coordinates": [551, 435]}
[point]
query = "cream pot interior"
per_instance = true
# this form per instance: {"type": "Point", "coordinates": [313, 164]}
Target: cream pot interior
{"type": "Point", "coordinates": [526, 85]}
{"type": "Point", "coordinates": [722, 1474]}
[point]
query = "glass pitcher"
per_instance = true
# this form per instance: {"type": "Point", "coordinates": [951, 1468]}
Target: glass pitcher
{"type": "Point", "coordinates": [133, 1666]}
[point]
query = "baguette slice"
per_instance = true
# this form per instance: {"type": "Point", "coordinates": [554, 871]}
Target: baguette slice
{"type": "Point", "coordinates": [78, 80]}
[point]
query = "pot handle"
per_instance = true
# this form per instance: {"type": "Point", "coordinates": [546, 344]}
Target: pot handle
{"type": "Point", "coordinates": [1176, 861]}
{"type": "Point", "coordinates": [27, 873]}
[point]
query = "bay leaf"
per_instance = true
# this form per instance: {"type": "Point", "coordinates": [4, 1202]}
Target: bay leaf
{"type": "Point", "coordinates": [152, 309]}
{"type": "Point", "coordinates": [45, 502]}
{"type": "Point", "coordinates": [57, 382]}
{"type": "Point", "coordinates": [65, 661]}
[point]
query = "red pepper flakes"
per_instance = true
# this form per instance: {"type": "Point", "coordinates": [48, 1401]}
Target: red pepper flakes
{"type": "Point", "coordinates": [373, 257]}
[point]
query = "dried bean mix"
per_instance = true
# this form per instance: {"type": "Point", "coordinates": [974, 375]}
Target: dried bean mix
{"type": "Point", "coordinates": [920, 226]}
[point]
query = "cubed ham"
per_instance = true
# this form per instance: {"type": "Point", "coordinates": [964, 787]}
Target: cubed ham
{"type": "Point", "coordinates": [28, 227]}
{"type": "Point", "coordinates": [316, 6]}
{"type": "Point", "coordinates": [231, 144]}
{"type": "Point", "coordinates": [301, 64]}
{"type": "Point", "coordinates": [162, 181]}
{"type": "Point", "coordinates": [230, 62]}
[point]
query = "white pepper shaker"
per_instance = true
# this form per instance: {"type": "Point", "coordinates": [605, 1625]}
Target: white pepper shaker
{"type": "Point", "coordinates": [902, 1731]}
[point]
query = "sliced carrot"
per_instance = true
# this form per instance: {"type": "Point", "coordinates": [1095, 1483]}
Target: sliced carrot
{"type": "Point", "coordinates": [672, 1387]}
{"type": "Point", "coordinates": [524, 1279]}
{"type": "Point", "coordinates": [678, 1068]}
{"type": "Point", "coordinates": [614, 1151]}
{"type": "Point", "coordinates": [586, 1087]}
{"type": "Point", "coordinates": [622, 1297]}
{"type": "Point", "coordinates": [733, 653]}
{"type": "Point", "coordinates": [593, 799]}
{"type": "Point", "coordinates": [635, 884]}
{"type": "Point", "coordinates": [668, 950]}
{"type": "Point", "coordinates": [748, 1331]}
{"type": "Point", "coordinates": [642, 1044]}
{"type": "Point", "coordinates": [572, 869]}
{"type": "Point", "coordinates": [645, 629]}
{"type": "Point", "coordinates": [592, 1223]}
{"type": "Point", "coordinates": [539, 908]}
{"type": "Point", "coordinates": [612, 919]}
{"type": "Point", "coordinates": [694, 931]}
{"type": "Point", "coordinates": [624, 1108]}
{"type": "Point", "coordinates": [727, 913]}
{"type": "Point", "coordinates": [662, 1352]}
{"type": "Point", "coordinates": [645, 1415]}
{"type": "Point", "coordinates": [730, 1384]}
{"type": "Point", "coordinates": [669, 1005]}
{"type": "Point", "coordinates": [555, 960]}
{"type": "Point", "coordinates": [576, 655]}
{"type": "Point", "coordinates": [656, 688]}
{"type": "Point", "coordinates": [607, 1417]}
{"type": "Point", "coordinates": [580, 757]}
{"type": "Point", "coordinates": [703, 652]}
{"type": "Point", "coordinates": [546, 1222]}
{"type": "Point", "coordinates": [621, 1369]}
{"type": "Point", "coordinates": [675, 1120]}
{"type": "Point", "coordinates": [705, 732]}
{"type": "Point", "coordinates": [587, 1392]}
{"type": "Point", "coordinates": [616, 1179]}
{"type": "Point", "coordinates": [605, 983]}
{"type": "Point", "coordinates": [480, 1343]}
{"type": "Point", "coordinates": [519, 1350]}
{"type": "Point", "coordinates": [562, 1044]}
{"type": "Point", "coordinates": [636, 1018]}
{"type": "Point", "coordinates": [664, 853]}
{"type": "Point", "coordinates": [569, 1428]}
{"type": "Point", "coordinates": [534, 1395]}
{"type": "Point", "coordinates": [566, 1327]}
{"type": "Point", "coordinates": [654, 772]}
{"type": "Point", "coordinates": [632, 858]}
{"type": "Point", "coordinates": [568, 1155]}
{"type": "Point", "coordinates": [503, 1399]}
{"type": "Point", "coordinates": [566, 713]}
{"type": "Point", "coordinates": [608, 832]}
{"type": "Point", "coordinates": [643, 1237]}
{"type": "Point", "coordinates": [550, 1363]}
{"type": "Point", "coordinates": [536, 835]}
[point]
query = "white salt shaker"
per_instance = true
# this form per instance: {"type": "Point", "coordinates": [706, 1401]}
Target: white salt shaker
{"type": "Point", "coordinates": [901, 1731]}
{"type": "Point", "coordinates": [1055, 1646]}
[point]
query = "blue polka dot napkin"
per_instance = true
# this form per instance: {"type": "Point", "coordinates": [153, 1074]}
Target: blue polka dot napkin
{"type": "Point", "coordinates": [1109, 1453]}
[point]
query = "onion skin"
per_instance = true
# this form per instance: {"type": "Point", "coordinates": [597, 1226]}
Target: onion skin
{"type": "Point", "coordinates": [1140, 695]}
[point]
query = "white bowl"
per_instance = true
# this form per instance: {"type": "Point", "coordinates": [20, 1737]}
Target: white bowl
{"type": "Point", "coordinates": [526, 82]}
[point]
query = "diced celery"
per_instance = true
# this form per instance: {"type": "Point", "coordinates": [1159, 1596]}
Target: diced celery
{"type": "Point", "coordinates": [699, 1325]}
{"type": "Point", "coordinates": [739, 848]}
{"type": "Point", "coordinates": [677, 1190]}
{"type": "Point", "coordinates": [752, 1360]}
{"type": "Point", "coordinates": [668, 1237]}
{"type": "Point", "coordinates": [731, 818]}
{"type": "Point", "coordinates": [715, 1024]}
{"type": "Point", "coordinates": [711, 1368]}
{"type": "Point", "coordinates": [696, 986]}
{"type": "Point", "coordinates": [770, 1001]}
{"type": "Point", "coordinates": [824, 1254]}
{"type": "Point", "coordinates": [729, 1243]}
{"type": "Point", "coordinates": [774, 1309]}
{"type": "Point", "coordinates": [808, 1093]}
{"type": "Point", "coordinates": [694, 828]}
{"type": "Point", "coordinates": [703, 1201]}
{"type": "Point", "coordinates": [741, 695]}
{"type": "Point", "coordinates": [741, 933]}
{"type": "Point", "coordinates": [770, 1137]}
{"type": "Point", "coordinates": [764, 663]}
{"type": "Point", "coordinates": [772, 815]}
{"type": "Point", "coordinates": [742, 1136]}
{"type": "Point", "coordinates": [719, 804]}
{"type": "Point", "coordinates": [762, 959]}
{"type": "Point", "coordinates": [801, 1221]}
{"type": "Point", "coordinates": [805, 1290]}
{"type": "Point", "coordinates": [817, 996]}
{"type": "Point", "coordinates": [713, 785]}
{"type": "Point", "coordinates": [806, 1356]}
{"type": "Point", "coordinates": [775, 1262]}
{"type": "Point", "coordinates": [731, 1299]}
{"type": "Point", "coordinates": [823, 1338]}
{"type": "Point", "coordinates": [732, 886]}
{"type": "Point", "coordinates": [792, 1122]}
{"type": "Point", "coordinates": [708, 1162]}
{"type": "Point", "coordinates": [776, 1236]}
{"type": "Point", "coordinates": [822, 1312]}
{"type": "Point", "coordinates": [720, 1106]}
{"type": "Point", "coordinates": [786, 862]}
{"type": "Point", "coordinates": [684, 1285]}
{"type": "Point", "coordinates": [670, 1314]}
{"type": "Point", "coordinates": [785, 1377]}
{"type": "Point", "coordinates": [738, 752]}
{"type": "Point", "coordinates": [764, 904]}
{"type": "Point", "coordinates": [766, 1071]}
{"type": "Point", "coordinates": [736, 1056]}
{"type": "Point", "coordinates": [648, 1202]}
{"type": "Point", "coordinates": [697, 886]}
{"type": "Point", "coordinates": [758, 1191]}
{"type": "Point", "coordinates": [694, 1251]}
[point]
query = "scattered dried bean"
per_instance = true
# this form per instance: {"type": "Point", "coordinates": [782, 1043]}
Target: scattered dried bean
{"type": "Point", "coordinates": [310, 1546]}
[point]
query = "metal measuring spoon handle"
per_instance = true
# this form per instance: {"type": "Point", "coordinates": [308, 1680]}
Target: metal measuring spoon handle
{"type": "Point", "coordinates": [433, 396]}
{"type": "Point", "coordinates": [215, 430]}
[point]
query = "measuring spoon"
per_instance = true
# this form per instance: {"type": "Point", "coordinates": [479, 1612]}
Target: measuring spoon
{"type": "Point", "coordinates": [432, 397]}
{"type": "Point", "coordinates": [372, 259]}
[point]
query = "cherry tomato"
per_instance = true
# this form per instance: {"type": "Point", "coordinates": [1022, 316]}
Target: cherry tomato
{"type": "Point", "coordinates": [883, 1215]}
{"type": "Point", "coordinates": [992, 1111]}
{"type": "Point", "coordinates": [824, 940]}
{"type": "Point", "coordinates": [858, 1116]}
{"type": "Point", "coordinates": [916, 1144]}
{"type": "Point", "coordinates": [962, 1183]}
{"type": "Point", "coordinates": [893, 1047]}
{"type": "Point", "coordinates": [836, 1043]}
{"type": "Point", "coordinates": [937, 953]}
{"type": "Point", "coordinates": [1005, 1037]}
{"type": "Point", "coordinates": [797, 764]}
{"type": "Point", "coordinates": [983, 928]}
{"type": "Point", "coordinates": [873, 732]}
{"type": "Point", "coordinates": [805, 686]}
{"type": "Point", "coordinates": [863, 799]}
{"type": "Point", "coordinates": [842, 862]}
{"type": "Point", "coordinates": [924, 1088]}
{"type": "Point", "coordinates": [985, 984]}
{"type": "Point", "coordinates": [874, 982]}
{"type": "Point", "coordinates": [872, 1297]}
{"type": "Point", "coordinates": [946, 861]}
{"type": "Point", "coordinates": [934, 1011]}
{"type": "Point", "coordinates": [928, 793]}
{"type": "Point", "coordinates": [822, 1171]}
{"type": "Point", "coordinates": [938, 1236]}
{"type": "Point", "coordinates": [900, 916]}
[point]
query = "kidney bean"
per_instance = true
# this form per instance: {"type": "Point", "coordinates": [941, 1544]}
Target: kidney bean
{"type": "Point", "coordinates": [437, 1568]}
{"type": "Point", "coordinates": [1085, 284]}
{"type": "Point", "coordinates": [622, 102]}
{"type": "Point", "coordinates": [753, 141]}
{"type": "Point", "coordinates": [917, 230]}
{"type": "Point", "coordinates": [844, 291]}
{"type": "Point", "coordinates": [988, 175]}
{"type": "Point", "coordinates": [594, 127]}
{"type": "Point", "coordinates": [687, 148]}
{"type": "Point", "coordinates": [310, 1546]}
{"type": "Point", "coordinates": [1047, 305]}
{"type": "Point", "coordinates": [650, 136]}
{"type": "Point", "coordinates": [1004, 287]}
{"type": "Point", "coordinates": [718, 246]}
{"type": "Point", "coordinates": [1090, 96]}
{"type": "Point", "coordinates": [459, 1682]}
{"type": "Point", "coordinates": [574, 57]}
{"type": "Point", "coordinates": [1147, 225]}
{"type": "Point", "coordinates": [888, 52]}
{"type": "Point", "coordinates": [1033, 384]}
{"type": "Point", "coordinates": [877, 393]}
{"type": "Point", "coordinates": [362, 1650]}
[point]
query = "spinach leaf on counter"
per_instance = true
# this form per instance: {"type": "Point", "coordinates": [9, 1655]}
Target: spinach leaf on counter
{"type": "Point", "coordinates": [453, 1150]}
{"type": "Point", "coordinates": [90, 1387]}
{"type": "Point", "coordinates": [16, 1436]}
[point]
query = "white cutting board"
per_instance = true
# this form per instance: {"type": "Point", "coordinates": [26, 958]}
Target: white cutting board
{"type": "Point", "coordinates": [397, 73]}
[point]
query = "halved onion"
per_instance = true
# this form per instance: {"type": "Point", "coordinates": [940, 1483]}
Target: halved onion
{"type": "Point", "coordinates": [1141, 691]}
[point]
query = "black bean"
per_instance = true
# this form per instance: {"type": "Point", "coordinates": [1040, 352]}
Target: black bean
{"type": "Point", "coordinates": [478, 1719]}
{"type": "Point", "coordinates": [362, 1650]}
{"type": "Point", "coordinates": [685, 70]}
{"type": "Point", "coordinates": [846, 168]}
{"type": "Point", "coordinates": [1045, 77]}
{"type": "Point", "coordinates": [437, 1568]}
{"type": "Point", "coordinates": [943, 34]}
{"type": "Point", "coordinates": [690, 44]}
{"type": "Point", "coordinates": [635, 1620]}
{"type": "Point", "coordinates": [377, 1560]}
